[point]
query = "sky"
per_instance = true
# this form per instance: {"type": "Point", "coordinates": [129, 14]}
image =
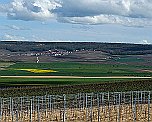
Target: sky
{"type": "Point", "coordinates": [120, 21]}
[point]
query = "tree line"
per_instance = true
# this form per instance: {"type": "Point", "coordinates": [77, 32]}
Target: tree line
{"type": "Point", "coordinates": [111, 48]}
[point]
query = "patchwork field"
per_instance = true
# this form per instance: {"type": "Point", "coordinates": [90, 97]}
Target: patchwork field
{"type": "Point", "coordinates": [71, 77]}
{"type": "Point", "coordinates": [75, 69]}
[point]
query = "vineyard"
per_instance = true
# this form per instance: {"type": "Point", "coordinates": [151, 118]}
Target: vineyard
{"type": "Point", "coordinates": [134, 106]}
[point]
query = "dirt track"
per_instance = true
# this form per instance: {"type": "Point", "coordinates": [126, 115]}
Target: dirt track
{"type": "Point", "coordinates": [79, 77]}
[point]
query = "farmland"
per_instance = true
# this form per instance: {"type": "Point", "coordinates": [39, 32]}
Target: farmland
{"type": "Point", "coordinates": [76, 69]}
{"type": "Point", "coordinates": [73, 67]}
{"type": "Point", "coordinates": [81, 85]}
{"type": "Point", "coordinates": [71, 77]}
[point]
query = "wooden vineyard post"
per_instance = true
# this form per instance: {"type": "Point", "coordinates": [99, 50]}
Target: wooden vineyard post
{"type": "Point", "coordinates": [46, 115]}
{"type": "Point", "coordinates": [103, 105]}
{"type": "Point", "coordinates": [83, 101]}
{"type": "Point", "coordinates": [141, 97]}
{"type": "Point", "coordinates": [33, 104]}
{"type": "Point", "coordinates": [12, 107]}
{"type": "Point", "coordinates": [132, 103]}
{"type": "Point", "coordinates": [91, 107]}
{"type": "Point", "coordinates": [149, 107]}
{"type": "Point", "coordinates": [28, 106]}
{"type": "Point", "coordinates": [0, 108]}
{"type": "Point", "coordinates": [16, 109]}
{"type": "Point", "coordinates": [138, 97]}
{"type": "Point", "coordinates": [141, 101]}
{"type": "Point", "coordinates": [134, 107]}
{"type": "Point", "coordinates": [38, 109]}
{"type": "Point", "coordinates": [79, 100]}
{"type": "Point", "coordinates": [21, 106]}
{"type": "Point", "coordinates": [108, 107]}
{"type": "Point", "coordinates": [86, 107]}
{"type": "Point", "coordinates": [50, 102]}
{"type": "Point", "coordinates": [41, 108]}
{"type": "Point", "coordinates": [64, 108]}
{"type": "Point", "coordinates": [118, 109]}
{"type": "Point", "coordinates": [31, 107]}
{"type": "Point", "coordinates": [98, 105]}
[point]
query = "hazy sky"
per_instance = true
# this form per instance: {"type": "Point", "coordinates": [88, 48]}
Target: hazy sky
{"type": "Point", "coordinates": [128, 21]}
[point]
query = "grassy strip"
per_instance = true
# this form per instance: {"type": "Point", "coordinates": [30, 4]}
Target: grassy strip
{"type": "Point", "coordinates": [5, 64]}
{"type": "Point", "coordinates": [19, 82]}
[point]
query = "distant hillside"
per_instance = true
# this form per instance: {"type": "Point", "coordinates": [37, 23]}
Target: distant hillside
{"type": "Point", "coordinates": [111, 48]}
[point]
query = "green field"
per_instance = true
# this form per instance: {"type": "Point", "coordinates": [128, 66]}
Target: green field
{"type": "Point", "coordinates": [77, 69]}
{"type": "Point", "coordinates": [18, 82]}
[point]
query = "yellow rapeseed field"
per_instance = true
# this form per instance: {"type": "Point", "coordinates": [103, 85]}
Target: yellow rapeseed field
{"type": "Point", "coordinates": [37, 70]}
